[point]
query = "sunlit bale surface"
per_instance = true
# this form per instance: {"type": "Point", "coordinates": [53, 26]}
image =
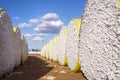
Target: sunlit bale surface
{"type": "Point", "coordinates": [55, 48]}
{"type": "Point", "coordinates": [72, 42]}
{"type": "Point", "coordinates": [100, 40]}
{"type": "Point", "coordinates": [62, 47]}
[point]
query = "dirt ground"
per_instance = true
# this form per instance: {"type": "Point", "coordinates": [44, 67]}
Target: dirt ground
{"type": "Point", "coordinates": [38, 68]}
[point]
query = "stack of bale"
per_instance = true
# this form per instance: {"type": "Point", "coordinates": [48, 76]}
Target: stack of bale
{"type": "Point", "coordinates": [10, 45]}
{"type": "Point", "coordinates": [93, 45]}
{"type": "Point", "coordinates": [100, 40]}
{"type": "Point", "coordinates": [72, 48]}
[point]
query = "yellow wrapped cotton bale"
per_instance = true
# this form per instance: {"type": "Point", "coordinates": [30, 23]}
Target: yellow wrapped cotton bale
{"type": "Point", "coordinates": [24, 50]}
{"type": "Point", "coordinates": [62, 47]}
{"type": "Point", "coordinates": [51, 49]}
{"type": "Point", "coordinates": [48, 51]}
{"type": "Point", "coordinates": [72, 40]}
{"type": "Point", "coordinates": [7, 58]}
{"type": "Point", "coordinates": [55, 48]}
{"type": "Point", "coordinates": [17, 43]}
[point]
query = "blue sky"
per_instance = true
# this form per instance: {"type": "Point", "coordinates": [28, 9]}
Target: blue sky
{"type": "Point", "coordinates": [41, 20]}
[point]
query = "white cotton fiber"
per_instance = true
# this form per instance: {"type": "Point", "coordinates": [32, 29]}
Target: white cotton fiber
{"type": "Point", "coordinates": [55, 49]}
{"type": "Point", "coordinates": [72, 42]}
{"type": "Point", "coordinates": [7, 59]}
{"type": "Point", "coordinates": [24, 50]}
{"type": "Point", "coordinates": [62, 47]}
{"type": "Point", "coordinates": [100, 40]}
{"type": "Point", "coordinates": [17, 43]}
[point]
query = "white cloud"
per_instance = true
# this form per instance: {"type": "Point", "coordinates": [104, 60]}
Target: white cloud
{"type": "Point", "coordinates": [40, 34]}
{"type": "Point", "coordinates": [23, 25]}
{"type": "Point", "coordinates": [50, 16]}
{"type": "Point", "coordinates": [37, 38]}
{"type": "Point", "coordinates": [34, 21]}
{"type": "Point", "coordinates": [50, 23]}
{"type": "Point", "coordinates": [27, 36]}
{"type": "Point", "coordinates": [16, 18]}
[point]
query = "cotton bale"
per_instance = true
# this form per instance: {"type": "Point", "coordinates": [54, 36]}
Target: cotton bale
{"type": "Point", "coordinates": [100, 40]}
{"type": "Point", "coordinates": [24, 49]}
{"type": "Point", "coordinates": [17, 43]}
{"type": "Point", "coordinates": [44, 51]}
{"type": "Point", "coordinates": [7, 59]}
{"type": "Point", "coordinates": [72, 42]}
{"type": "Point", "coordinates": [55, 48]}
{"type": "Point", "coordinates": [51, 49]}
{"type": "Point", "coordinates": [48, 51]}
{"type": "Point", "coordinates": [62, 47]}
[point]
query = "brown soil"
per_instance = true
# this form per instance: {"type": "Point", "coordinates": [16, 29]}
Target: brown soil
{"type": "Point", "coordinates": [38, 68]}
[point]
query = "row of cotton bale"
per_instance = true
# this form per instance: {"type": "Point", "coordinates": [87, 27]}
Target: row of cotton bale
{"type": "Point", "coordinates": [64, 48]}
{"type": "Point", "coordinates": [13, 46]}
{"type": "Point", "coordinates": [92, 44]}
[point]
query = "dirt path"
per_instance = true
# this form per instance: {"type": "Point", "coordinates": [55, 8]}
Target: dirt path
{"type": "Point", "coordinates": [38, 68]}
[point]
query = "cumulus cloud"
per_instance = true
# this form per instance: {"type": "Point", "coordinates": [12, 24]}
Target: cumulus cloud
{"type": "Point", "coordinates": [27, 36]}
{"type": "Point", "coordinates": [33, 21]}
{"type": "Point", "coordinates": [50, 16]}
{"type": "Point", "coordinates": [50, 23]}
{"type": "Point", "coordinates": [16, 18]}
{"type": "Point", "coordinates": [40, 34]}
{"type": "Point", "coordinates": [37, 38]}
{"type": "Point", "coordinates": [23, 25]}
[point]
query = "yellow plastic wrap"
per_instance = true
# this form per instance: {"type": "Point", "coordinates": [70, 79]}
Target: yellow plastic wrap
{"type": "Point", "coordinates": [77, 68]}
{"type": "Point", "coordinates": [65, 60]}
{"type": "Point", "coordinates": [1, 9]}
{"type": "Point", "coordinates": [118, 1]}
{"type": "Point", "coordinates": [15, 29]}
{"type": "Point", "coordinates": [77, 23]}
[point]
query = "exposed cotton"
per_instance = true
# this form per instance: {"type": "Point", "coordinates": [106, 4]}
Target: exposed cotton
{"type": "Point", "coordinates": [17, 43]}
{"type": "Point", "coordinates": [72, 48]}
{"type": "Point", "coordinates": [7, 59]}
{"type": "Point", "coordinates": [24, 50]}
{"type": "Point", "coordinates": [48, 51]}
{"type": "Point", "coordinates": [44, 51]}
{"type": "Point", "coordinates": [62, 47]}
{"type": "Point", "coordinates": [55, 49]}
{"type": "Point", "coordinates": [51, 49]}
{"type": "Point", "coordinates": [100, 40]}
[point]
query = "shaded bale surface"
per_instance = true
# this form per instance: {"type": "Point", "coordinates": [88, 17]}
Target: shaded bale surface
{"type": "Point", "coordinates": [6, 44]}
{"type": "Point", "coordinates": [17, 43]}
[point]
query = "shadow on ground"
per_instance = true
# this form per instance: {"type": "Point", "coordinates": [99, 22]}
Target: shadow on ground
{"type": "Point", "coordinates": [33, 69]}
